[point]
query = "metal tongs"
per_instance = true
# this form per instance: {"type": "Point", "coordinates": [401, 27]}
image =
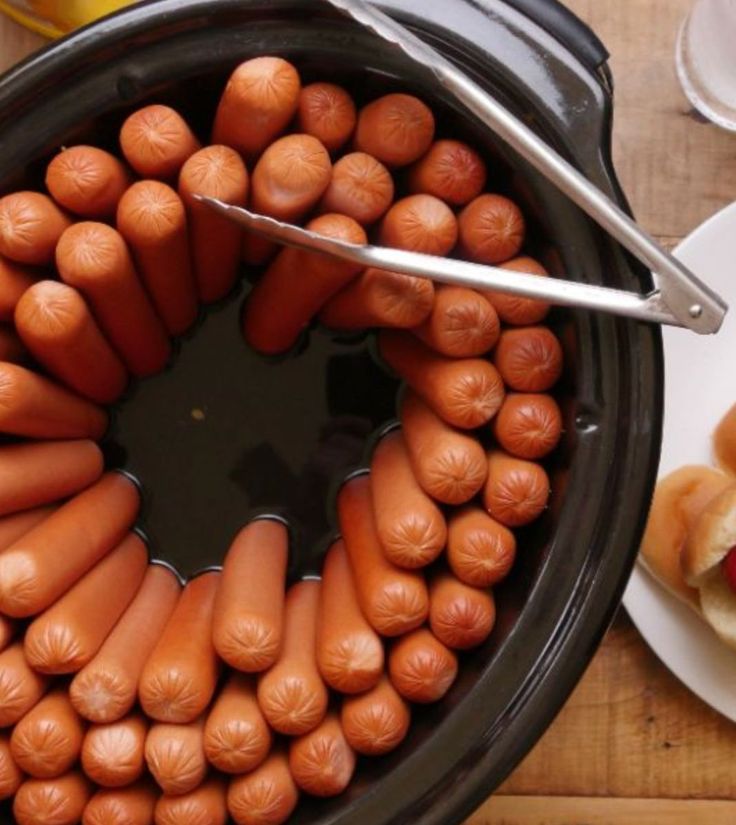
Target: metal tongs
{"type": "Point", "coordinates": [679, 299]}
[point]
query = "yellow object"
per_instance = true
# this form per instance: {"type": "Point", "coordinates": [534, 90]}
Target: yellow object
{"type": "Point", "coordinates": [53, 18]}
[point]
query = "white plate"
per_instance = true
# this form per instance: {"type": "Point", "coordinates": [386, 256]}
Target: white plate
{"type": "Point", "coordinates": [700, 385]}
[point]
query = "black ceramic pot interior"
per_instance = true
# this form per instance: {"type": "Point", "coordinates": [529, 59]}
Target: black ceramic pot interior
{"type": "Point", "coordinates": [225, 434]}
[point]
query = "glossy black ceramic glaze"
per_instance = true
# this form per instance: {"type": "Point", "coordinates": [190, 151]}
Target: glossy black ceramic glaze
{"type": "Point", "coordinates": [220, 421]}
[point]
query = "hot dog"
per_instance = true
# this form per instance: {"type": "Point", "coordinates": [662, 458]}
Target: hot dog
{"type": "Point", "coordinates": [67, 635]}
{"type": "Point", "coordinates": [528, 425]}
{"type": "Point", "coordinates": [480, 550]}
{"type": "Point", "coordinates": [529, 359]}
{"type": "Point", "coordinates": [271, 324]}
{"type": "Point", "coordinates": [112, 755]}
{"type": "Point", "coordinates": [122, 806]}
{"type": "Point", "coordinates": [48, 739]}
{"type": "Point", "coordinates": [93, 258]}
{"type": "Point", "coordinates": [33, 406]}
{"type": "Point", "coordinates": [327, 112]}
{"type": "Point", "coordinates": [38, 473]}
{"type": "Point", "coordinates": [175, 755]}
{"type": "Point", "coordinates": [247, 622]}
{"type": "Point", "coordinates": [205, 804]}
{"type": "Point", "coordinates": [421, 668]}
{"type": "Point", "coordinates": [397, 129]}
{"type": "Point", "coordinates": [59, 801]}
{"type": "Point", "coordinates": [516, 491]}
{"type": "Point", "coordinates": [375, 722]}
{"type": "Point", "coordinates": [261, 97]}
{"type": "Point", "coordinates": [460, 616]}
{"type": "Point", "coordinates": [451, 171]}
{"type": "Point", "coordinates": [57, 326]}
{"type": "Point", "coordinates": [379, 298]}
{"type": "Point", "coordinates": [266, 796]}
{"type": "Point", "coordinates": [80, 532]}
{"type": "Point", "coordinates": [462, 323]}
{"type": "Point", "coordinates": [291, 694]}
{"type": "Point", "coordinates": [409, 524]}
{"type": "Point", "coordinates": [11, 775]}
{"type": "Point", "coordinates": [491, 229]}
{"type": "Point", "coordinates": [236, 736]}
{"type": "Point", "coordinates": [466, 392]}
{"type": "Point", "coordinates": [87, 181]}
{"type": "Point", "coordinates": [349, 652]}
{"type": "Point", "coordinates": [322, 762]}
{"type": "Point", "coordinates": [420, 223]}
{"type": "Point", "coordinates": [156, 141]}
{"type": "Point", "coordinates": [7, 631]}
{"type": "Point", "coordinates": [30, 227]}
{"type": "Point", "coordinates": [180, 675]}
{"type": "Point", "coordinates": [106, 689]}
{"type": "Point", "coordinates": [20, 686]}
{"type": "Point", "coordinates": [514, 309]}
{"type": "Point", "coordinates": [449, 465]}
{"type": "Point", "coordinates": [11, 347]}
{"type": "Point", "coordinates": [393, 600]}
{"type": "Point", "coordinates": [15, 279]}
{"type": "Point", "coordinates": [152, 219]}
{"type": "Point", "coordinates": [360, 187]}
{"type": "Point", "coordinates": [219, 172]}
{"type": "Point", "coordinates": [17, 525]}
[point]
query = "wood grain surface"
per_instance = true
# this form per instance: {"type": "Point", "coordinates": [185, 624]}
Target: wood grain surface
{"type": "Point", "coordinates": [632, 746]}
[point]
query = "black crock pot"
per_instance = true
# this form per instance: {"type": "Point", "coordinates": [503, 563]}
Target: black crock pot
{"type": "Point", "coordinates": [549, 69]}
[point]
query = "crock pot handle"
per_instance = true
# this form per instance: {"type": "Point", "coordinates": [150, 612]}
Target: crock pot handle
{"type": "Point", "coordinates": [566, 27]}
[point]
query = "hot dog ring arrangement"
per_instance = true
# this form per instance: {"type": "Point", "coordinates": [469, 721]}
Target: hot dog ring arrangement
{"type": "Point", "coordinates": [125, 697]}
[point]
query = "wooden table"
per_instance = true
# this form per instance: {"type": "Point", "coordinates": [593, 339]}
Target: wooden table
{"type": "Point", "coordinates": [632, 746]}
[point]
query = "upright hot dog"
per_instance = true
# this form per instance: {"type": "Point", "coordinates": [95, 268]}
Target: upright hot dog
{"type": "Point", "coordinates": [106, 689]}
{"type": "Point", "coordinates": [175, 756]}
{"type": "Point", "coordinates": [247, 622]}
{"type": "Point", "coordinates": [157, 141]}
{"type": "Point", "coordinates": [219, 172]}
{"type": "Point", "coordinates": [87, 181]}
{"type": "Point", "coordinates": [48, 739]}
{"type": "Point", "coordinates": [379, 298]}
{"type": "Point", "coordinates": [205, 804]}
{"type": "Point", "coordinates": [349, 652]}
{"type": "Point", "coordinates": [15, 279]}
{"type": "Point", "coordinates": [132, 805]}
{"type": "Point", "coordinates": [451, 171]}
{"type": "Point", "coordinates": [529, 359]}
{"type": "Point", "coordinates": [80, 532]}
{"type": "Point", "coordinates": [59, 801]}
{"type": "Point", "coordinates": [67, 635]}
{"type": "Point", "coordinates": [93, 258]}
{"type": "Point", "coordinates": [152, 219]}
{"type": "Point", "coordinates": [491, 229]}
{"type": "Point", "coordinates": [33, 406]}
{"type": "Point", "coordinates": [291, 694]}
{"type": "Point", "coordinates": [261, 97]}
{"type": "Point", "coordinates": [422, 669]}
{"type": "Point", "coordinates": [375, 722]}
{"type": "Point", "coordinates": [236, 736]}
{"type": "Point", "coordinates": [514, 309]}
{"type": "Point", "coordinates": [11, 775]}
{"type": "Point", "coordinates": [462, 324]}
{"type": "Point", "coordinates": [420, 223]}
{"type": "Point", "coordinates": [393, 600]}
{"type": "Point", "coordinates": [20, 686]}
{"type": "Point", "coordinates": [528, 425]}
{"type": "Point", "coordinates": [58, 328]}
{"type": "Point", "coordinates": [33, 474]}
{"type": "Point", "coordinates": [466, 392]}
{"type": "Point", "coordinates": [480, 550]}
{"type": "Point", "coordinates": [266, 796]}
{"type": "Point", "coordinates": [516, 491]}
{"type": "Point", "coordinates": [396, 128]}
{"type": "Point", "coordinates": [30, 227]}
{"type": "Point", "coordinates": [360, 187]}
{"type": "Point", "coordinates": [112, 755]}
{"type": "Point", "coordinates": [272, 325]}
{"type": "Point", "coordinates": [180, 675]}
{"type": "Point", "coordinates": [322, 762]}
{"type": "Point", "coordinates": [7, 631]}
{"type": "Point", "coordinates": [327, 112]}
{"type": "Point", "coordinates": [460, 616]}
{"type": "Point", "coordinates": [12, 348]}
{"type": "Point", "coordinates": [449, 465]}
{"type": "Point", "coordinates": [409, 524]}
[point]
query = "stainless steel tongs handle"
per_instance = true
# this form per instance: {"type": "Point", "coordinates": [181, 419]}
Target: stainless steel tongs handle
{"type": "Point", "coordinates": [681, 298]}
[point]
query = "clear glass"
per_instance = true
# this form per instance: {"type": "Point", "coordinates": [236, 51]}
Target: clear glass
{"type": "Point", "coordinates": [706, 60]}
